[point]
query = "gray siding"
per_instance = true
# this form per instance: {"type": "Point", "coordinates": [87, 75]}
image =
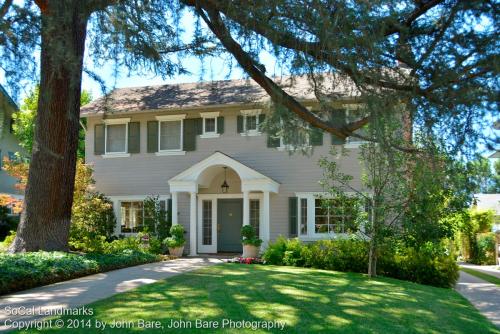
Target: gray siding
{"type": "Point", "coordinates": [146, 173]}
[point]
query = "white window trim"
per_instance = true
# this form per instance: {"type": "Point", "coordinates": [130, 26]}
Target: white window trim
{"type": "Point", "coordinates": [251, 112]}
{"type": "Point", "coordinates": [115, 121]}
{"type": "Point", "coordinates": [311, 217]}
{"type": "Point", "coordinates": [212, 134]}
{"type": "Point", "coordinates": [171, 118]}
{"type": "Point", "coordinates": [129, 198]}
{"type": "Point", "coordinates": [348, 108]}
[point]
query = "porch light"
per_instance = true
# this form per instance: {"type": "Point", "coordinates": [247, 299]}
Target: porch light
{"type": "Point", "coordinates": [225, 186]}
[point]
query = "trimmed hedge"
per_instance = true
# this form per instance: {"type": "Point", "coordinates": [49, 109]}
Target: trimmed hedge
{"type": "Point", "coordinates": [351, 255]}
{"type": "Point", "coordinates": [27, 270]}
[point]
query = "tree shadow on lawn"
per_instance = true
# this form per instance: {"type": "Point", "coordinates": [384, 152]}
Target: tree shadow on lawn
{"type": "Point", "coordinates": [307, 300]}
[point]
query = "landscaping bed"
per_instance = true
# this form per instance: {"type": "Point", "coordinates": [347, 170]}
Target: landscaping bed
{"type": "Point", "coordinates": [306, 300]}
{"type": "Point", "coordinates": [27, 270]}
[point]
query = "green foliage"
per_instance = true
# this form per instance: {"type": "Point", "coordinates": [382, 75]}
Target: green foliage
{"type": "Point", "coordinates": [24, 125]}
{"type": "Point", "coordinates": [27, 270]}
{"type": "Point", "coordinates": [485, 249]}
{"type": "Point", "coordinates": [177, 237]}
{"type": "Point", "coordinates": [429, 265]}
{"type": "Point", "coordinates": [9, 239]}
{"type": "Point", "coordinates": [249, 236]}
{"type": "Point", "coordinates": [7, 223]}
{"type": "Point", "coordinates": [156, 221]}
{"type": "Point", "coordinates": [92, 217]}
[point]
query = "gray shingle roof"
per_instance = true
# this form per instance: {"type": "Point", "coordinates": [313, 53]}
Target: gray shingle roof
{"type": "Point", "coordinates": [200, 94]}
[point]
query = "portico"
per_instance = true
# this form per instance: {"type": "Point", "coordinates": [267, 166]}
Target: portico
{"type": "Point", "coordinates": [205, 220]}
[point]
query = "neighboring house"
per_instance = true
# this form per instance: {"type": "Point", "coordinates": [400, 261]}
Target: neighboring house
{"type": "Point", "coordinates": [9, 144]}
{"type": "Point", "coordinates": [184, 141]}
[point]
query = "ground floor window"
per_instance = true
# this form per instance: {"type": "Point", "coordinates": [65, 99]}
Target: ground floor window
{"type": "Point", "coordinates": [132, 216]}
{"type": "Point", "coordinates": [207, 222]}
{"type": "Point", "coordinates": [320, 216]}
{"type": "Point", "coordinates": [255, 214]}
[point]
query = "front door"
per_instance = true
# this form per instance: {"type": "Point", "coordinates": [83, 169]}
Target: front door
{"type": "Point", "coordinates": [229, 222]}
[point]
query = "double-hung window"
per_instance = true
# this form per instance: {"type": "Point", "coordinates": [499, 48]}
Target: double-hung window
{"type": "Point", "coordinates": [170, 130]}
{"type": "Point", "coordinates": [116, 137]}
{"type": "Point", "coordinates": [209, 125]}
{"type": "Point", "coordinates": [251, 122]}
{"type": "Point", "coordinates": [319, 217]}
{"type": "Point", "coordinates": [355, 113]}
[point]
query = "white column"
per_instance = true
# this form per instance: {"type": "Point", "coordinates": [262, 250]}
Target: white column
{"type": "Point", "coordinates": [264, 226]}
{"type": "Point", "coordinates": [118, 215]}
{"type": "Point", "coordinates": [192, 225]}
{"type": "Point", "coordinates": [174, 209]}
{"type": "Point", "coordinates": [246, 209]}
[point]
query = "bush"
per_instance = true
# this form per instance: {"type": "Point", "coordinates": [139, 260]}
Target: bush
{"type": "Point", "coordinates": [27, 270]}
{"type": "Point", "coordinates": [9, 239]}
{"type": "Point", "coordinates": [485, 248]}
{"type": "Point", "coordinates": [429, 265]}
{"type": "Point", "coordinates": [249, 237]}
{"type": "Point", "coordinates": [92, 216]}
{"type": "Point", "coordinates": [177, 237]}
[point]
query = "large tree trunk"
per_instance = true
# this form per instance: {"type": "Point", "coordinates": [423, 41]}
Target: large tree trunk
{"type": "Point", "coordinates": [49, 194]}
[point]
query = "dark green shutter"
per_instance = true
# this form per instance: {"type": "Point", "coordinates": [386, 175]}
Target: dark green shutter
{"type": "Point", "coordinates": [152, 136]}
{"type": "Point", "coordinates": [220, 125]}
{"type": "Point", "coordinates": [169, 211]}
{"type": "Point", "coordinates": [134, 137]}
{"type": "Point", "coordinates": [189, 139]}
{"type": "Point", "coordinates": [262, 118]}
{"type": "Point", "coordinates": [239, 124]}
{"type": "Point", "coordinates": [199, 126]}
{"type": "Point", "coordinates": [99, 139]}
{"type": "Point", "coordinates": [316, 137]}
{"type": "Point", "coordinates": [338, 119]}
{"type": "Point", "coordinates": [292, 215]}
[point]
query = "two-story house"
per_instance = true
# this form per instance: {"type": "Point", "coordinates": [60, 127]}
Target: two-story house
{"type": "Point", "coordinates": [200, 148]}
{"type": "Point", "coordinates": [9, 144]}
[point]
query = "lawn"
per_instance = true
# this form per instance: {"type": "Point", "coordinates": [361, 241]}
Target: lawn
{"type": "Point", "coordinates": [306, 300]}
{"type": "Point", "coordinates": [482, 275]}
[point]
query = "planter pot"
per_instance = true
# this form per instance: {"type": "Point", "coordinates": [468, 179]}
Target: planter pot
{"type": "Point", "coordinates": [177, 251]}
{"type": "Point", "coordinates": [250, 251]}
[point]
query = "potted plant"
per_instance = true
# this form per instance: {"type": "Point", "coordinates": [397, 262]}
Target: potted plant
{"type": "Point", "coordinates": [176, 241]}
{"type": "Point", "coordinates": [251, 243]}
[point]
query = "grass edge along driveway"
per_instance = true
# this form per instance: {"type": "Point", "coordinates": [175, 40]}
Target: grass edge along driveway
{"type": "Point", "coordinates": [306, 300]}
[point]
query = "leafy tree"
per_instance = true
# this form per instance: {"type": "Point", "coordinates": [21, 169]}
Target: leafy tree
{"type": "Point", "coordinates": [140, 35]}
{"type": "Point", "coordinates": [24, 125]}
{"type": "Point", "coordinates": [156, 220]}
{"type": "Point", "coordinates": [436, 58]}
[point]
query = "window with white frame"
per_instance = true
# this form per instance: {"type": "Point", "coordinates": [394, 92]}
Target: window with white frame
{"type": "Point", "coordinates": [170, 130]}
{"type": "Point", "coordinates": [319, 216]}
{"type": "Point", "coordinates": [116, 136]}
{"type": "Point", "coordinates": [355, 113]}
{"type": "Point", "coordinates": [255, 215]}
{"type": "Point", "coordinates": [251, 122]}
{"type": "Point", "coordinates": [209, 125]}
{"type": "Point", "coordinates": [132, 216]}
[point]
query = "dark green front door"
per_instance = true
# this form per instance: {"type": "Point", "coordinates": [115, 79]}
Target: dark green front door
{"type": "Point", "coordinates": [230, 220]}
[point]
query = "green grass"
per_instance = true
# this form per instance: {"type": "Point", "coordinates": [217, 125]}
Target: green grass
{"type": "Point", "coordinates": [307, 300]}
{"type": "Point", "coordinates": [482, 275]}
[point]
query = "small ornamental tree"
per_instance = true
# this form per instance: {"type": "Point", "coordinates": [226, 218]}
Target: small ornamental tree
{"type": "Point", "coordinates": [177, 237]}
{"type": "Point", "coordinates": [156, 220]}
{"type": "Point", "coordinates": [249, 237]}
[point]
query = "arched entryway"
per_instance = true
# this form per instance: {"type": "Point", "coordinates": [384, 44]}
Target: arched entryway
{"type": "Point", "coordinates": [212, 210]}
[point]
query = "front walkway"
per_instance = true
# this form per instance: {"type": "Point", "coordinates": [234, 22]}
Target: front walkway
{"type": "Point", "coordinates": [490, 270]}
{"type": "Point", "coordinates": [483, 295]}
{"type": "Point", "coordinates": [88, 289]}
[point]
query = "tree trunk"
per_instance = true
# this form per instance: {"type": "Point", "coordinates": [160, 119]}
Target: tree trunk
{"type": "Point", "coordinates": [372, 254]}
{"type": "Point", "coordinates": [49, 194]}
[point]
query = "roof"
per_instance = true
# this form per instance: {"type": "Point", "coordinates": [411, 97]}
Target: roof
{"type": "Point", "coordinates": [212, 93]}
{"type": "Point", "coordinates": [488, 202]}
{"type": "Point", "coordinates": [7, 96]}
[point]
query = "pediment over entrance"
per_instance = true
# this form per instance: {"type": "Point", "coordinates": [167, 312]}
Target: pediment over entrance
{"type": "Point", "coordinates": [203, 172]}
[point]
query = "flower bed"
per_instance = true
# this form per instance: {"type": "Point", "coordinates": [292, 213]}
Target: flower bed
{"type": "Point", "coordinates": [246, 260]}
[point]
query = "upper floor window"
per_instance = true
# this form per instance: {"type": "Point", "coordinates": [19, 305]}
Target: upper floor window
{"type": "Point", "coordinates": [354, 113]}
{"type": "Point", "coordinates": [116, 136]}
{"type": "Point", "coordinates": [250, 121]}
{"type": "Point", "coordinates": [210, 125]}
{"type": "Point", "coordinates": [170, 130]}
